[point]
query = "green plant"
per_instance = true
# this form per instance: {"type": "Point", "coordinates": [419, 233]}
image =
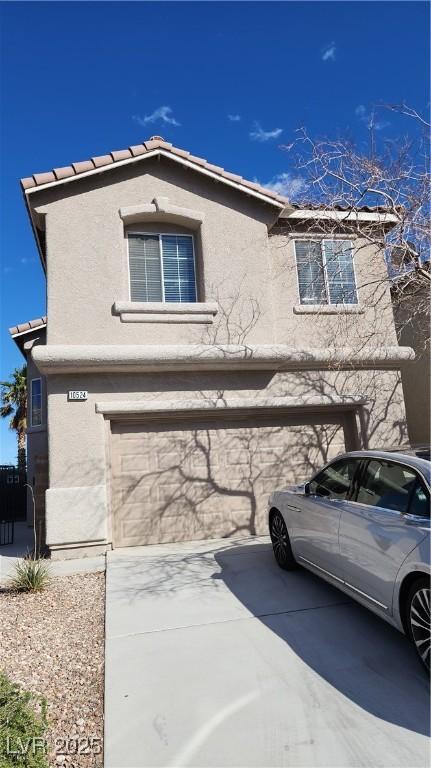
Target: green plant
{"type": "Point", "coordinates": [23, 723]}
{"type": "Point", "coordinates": [31, 575]}
{"type": "Point", "coordinates": [13, 397]}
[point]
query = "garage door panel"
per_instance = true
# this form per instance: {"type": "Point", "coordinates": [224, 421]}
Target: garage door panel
{"type": "Point", "coordinates": [192, 480]}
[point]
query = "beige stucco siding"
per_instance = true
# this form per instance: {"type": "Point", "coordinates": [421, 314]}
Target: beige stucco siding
{"type": "Point", "coordinates": [79, 499]}
{"type": "Point", "coordinates": [87, 255]}
{"type": "Point", "coordinates": [373, 326]}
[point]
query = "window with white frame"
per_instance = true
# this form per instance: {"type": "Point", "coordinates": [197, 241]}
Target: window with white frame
{"type": "Point", "coordinates": [36, 403]}
{"type": "Point", "coordinates": [162, 268]}
{"type": "Point", "coordinates": [326, 273]}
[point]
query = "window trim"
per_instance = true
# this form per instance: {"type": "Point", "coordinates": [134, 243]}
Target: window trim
{"type": "Point", "coordinates": [319, 305]}
{"type": "Point", "coordinates": [38, 378]}
{"type": "Point", "coordinates": [160, 235]}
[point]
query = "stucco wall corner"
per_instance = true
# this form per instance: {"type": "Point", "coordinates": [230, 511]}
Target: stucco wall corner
{"type": "Point", "coordinates": [76, 515]}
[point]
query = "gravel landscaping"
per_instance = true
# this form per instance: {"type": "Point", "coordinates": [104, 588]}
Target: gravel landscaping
{"type": "Point", "coordinates": [52, 643]}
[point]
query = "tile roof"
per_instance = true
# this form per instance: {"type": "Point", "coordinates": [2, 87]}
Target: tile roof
{"type": "Point", "coordinates": [30, 325]}
{"type": "Point", "coordinates": [337, 207]}
{"type": "Point", "coordinates": [57, 175]}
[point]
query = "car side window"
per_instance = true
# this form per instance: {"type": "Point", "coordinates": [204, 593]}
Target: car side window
{"type": "Point", "coordinates": [334, 481]}
{"type": "Point", "coordinates": [419, 501]}
{"type": "Point", "coordinates": [387, 485]}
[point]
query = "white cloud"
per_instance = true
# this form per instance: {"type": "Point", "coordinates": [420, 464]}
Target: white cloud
{"type": "Point", "coordinates": [27, 259]}
{"type": "Point", "coordinates": [259, 134]}
{"type": "Point", "coordinates": [286, 184]}
{"type": "Point", "coordinates": [369, 118]}
{"type": "Point", "coordinates": [234, 118]}
{"type": "Point", "coordinates": [164, 114]}
{"type": "Point", "coordinates": [328, 52]}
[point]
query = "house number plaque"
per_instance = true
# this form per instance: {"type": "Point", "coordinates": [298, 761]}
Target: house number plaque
{"type": "Point", "coordinates": [77, 394]}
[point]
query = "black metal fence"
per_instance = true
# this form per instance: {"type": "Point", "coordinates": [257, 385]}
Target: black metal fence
{"type": "Point", "coordinates": [13, 493]}
{"type": "Point", "coordinates": [6, 532]}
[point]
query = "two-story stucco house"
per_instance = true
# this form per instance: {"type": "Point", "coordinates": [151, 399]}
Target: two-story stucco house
{"type": "Point", "coordinates": [222, 347]}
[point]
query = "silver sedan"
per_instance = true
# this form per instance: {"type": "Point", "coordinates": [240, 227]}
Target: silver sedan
{"type": "Point", "coordinates": [363, 524]}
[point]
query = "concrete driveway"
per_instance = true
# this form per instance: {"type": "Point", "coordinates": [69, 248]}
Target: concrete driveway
{"type": "Point", "coordinates": [216, 657]}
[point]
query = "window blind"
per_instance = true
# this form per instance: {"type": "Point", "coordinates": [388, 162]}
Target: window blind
{"type": "Point", "coordinates": [162, 268]}
{"type": "Point", "coordinates": [339, 268]}
{"type": "Point", "coordinates": [325, 272]}
{"type": "Point", "coordinates": [311, 276]}
{"type": "Point", "coordinates": [145, 268]}
{"type": "Point", "coordinates": [178, 268]}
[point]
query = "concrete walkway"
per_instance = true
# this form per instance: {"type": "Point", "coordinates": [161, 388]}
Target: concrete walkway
{"type": "Point", "coordinates": [216, 657]}
{"type": "Point", "coordinates": [23, 544]}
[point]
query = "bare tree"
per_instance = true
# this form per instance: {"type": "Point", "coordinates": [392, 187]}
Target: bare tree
{"type": "Point", "coordinates": [388, 178]}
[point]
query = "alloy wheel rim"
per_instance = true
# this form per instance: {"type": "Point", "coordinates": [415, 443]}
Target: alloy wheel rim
{"type": "Point", "coordinates": [420, 623]}
{"type": "Point", "coordinates": [279, 538]}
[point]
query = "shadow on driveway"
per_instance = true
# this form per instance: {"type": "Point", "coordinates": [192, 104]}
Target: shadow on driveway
{"type": "Point", "coordinates": [358, 653]}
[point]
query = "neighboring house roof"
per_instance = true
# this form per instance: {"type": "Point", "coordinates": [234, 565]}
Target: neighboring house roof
{"type": "Point", "coordinates": [28, 326]}
{"type": "Point", "coordinates": [154, 146]}
{"type": "Point", "coordinates": [338, 207]}
{"type": "Point", "coordinates": [21, 332]}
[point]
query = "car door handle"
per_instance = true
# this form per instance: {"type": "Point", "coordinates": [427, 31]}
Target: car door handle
{"type": "Point", "coordinates": [291, 506]}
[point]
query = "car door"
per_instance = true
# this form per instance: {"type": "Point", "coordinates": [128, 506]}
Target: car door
{"type": "Point", "coordinates": [384, 521]}
{"type": "Point", "coordinates": [317, 522]}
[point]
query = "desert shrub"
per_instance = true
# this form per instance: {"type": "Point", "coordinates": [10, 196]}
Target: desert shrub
{"type": "Point", "coordinates": [30, 575]}
{"type": "Point", "coordinates": [23, 724]}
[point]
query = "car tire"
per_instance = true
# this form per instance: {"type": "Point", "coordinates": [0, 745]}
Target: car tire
{"type": "Point", "coordinates": [280, 542]}
{"type": "Point", "coordinates": [418, 619]}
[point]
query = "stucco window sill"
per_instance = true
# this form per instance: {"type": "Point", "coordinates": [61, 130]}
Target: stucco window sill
{"type": "Point", "coordinates": [328, 309]}
{"type": "Point", "coordinates": [165, 312]}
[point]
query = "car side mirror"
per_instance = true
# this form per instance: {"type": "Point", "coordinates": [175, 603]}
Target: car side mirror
{"type": "Point", "coordinates": [307, 489]}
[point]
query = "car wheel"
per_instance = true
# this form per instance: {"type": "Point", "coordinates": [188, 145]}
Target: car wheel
{"type": "Point", "coordinates": [281, 542]}
{"type": "Point", "coordinates": [418, 615]}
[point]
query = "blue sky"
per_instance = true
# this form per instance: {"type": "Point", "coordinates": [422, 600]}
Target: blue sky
{"type": "Point", "coordinates": [228, 81]}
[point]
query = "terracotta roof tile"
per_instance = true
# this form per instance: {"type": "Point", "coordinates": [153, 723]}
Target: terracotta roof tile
{"type": "Point", "coordinates": [233, 177]}
{"type": "Point", "coordinates": [102, 160]}
{"type": "Point", "coordinates": [83, 166]}
{"type": "Point", "coordinates": [65, 172]}
{"type": "Point", "coordinates": [121, 154]}
{"type": "Point", "coordinates": [152, 144]}
{"type": "Point", "coordinates": [197, 160]}
{"type": "Point", "coordinates": [44, 178]}
{"type": "Point", "coordinates": [138, 149]}
{"type": "Point", "coordinates": [28, 182]}
{"type": "Point", "coordinates": [180, 152]}
{"type": "Point", "coordinates": [214, 168]}
{"type": "Point", "coordinates": [155, 142]}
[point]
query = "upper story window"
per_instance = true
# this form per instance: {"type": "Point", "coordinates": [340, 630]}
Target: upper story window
{"type": "Point", "coordinates": [326, 273]}
{"type": "Point", "coordinates": [162, 268]}
{"type": "Point", "coordinates": [36, 403]}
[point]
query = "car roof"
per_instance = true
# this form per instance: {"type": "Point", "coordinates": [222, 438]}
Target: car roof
{"type": "Point", "coordinates": [422, 465]}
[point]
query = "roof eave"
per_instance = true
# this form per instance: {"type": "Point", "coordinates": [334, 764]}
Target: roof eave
{"type": "Point", "coordinates": [279, 202]}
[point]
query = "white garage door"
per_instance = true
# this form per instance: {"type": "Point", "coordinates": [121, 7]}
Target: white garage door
{"type": "Point", "coordinates": [184, 480]}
